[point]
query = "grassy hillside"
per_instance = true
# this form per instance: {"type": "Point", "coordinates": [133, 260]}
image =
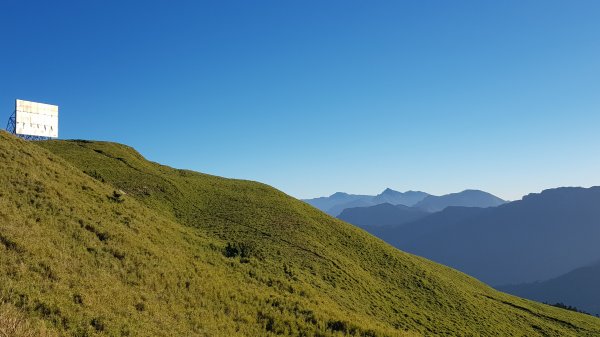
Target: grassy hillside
{"type": "Point", "coordinates": [185, 254]}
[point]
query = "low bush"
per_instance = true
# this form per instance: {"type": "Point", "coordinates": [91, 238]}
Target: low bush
{"type": "Point", "coordinates": [244, 250]}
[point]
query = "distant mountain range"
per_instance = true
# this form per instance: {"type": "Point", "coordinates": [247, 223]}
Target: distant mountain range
{"type": "Point", "coordinates": [331, 204]}
{"type": "Point", "coordinates": [537, 238]}
{"type": "Point", "coordinates": [408, 198]}
{"type": "Point", "coordinates": [336, 203]}
{"type": "Point", "coordinates": [579, 288]}
{"type": "Point", "coordinates": [467, 198]}
{"type": "Point", "coordinates": [543, 247]}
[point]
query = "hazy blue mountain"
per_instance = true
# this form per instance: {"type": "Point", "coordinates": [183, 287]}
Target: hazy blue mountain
{"type": "Point", "coordinates": [326, 204]}
{"type": "Point", "coordinates": [430, 223]}
{"type": "Point", "coordinates": [381, 215]}
{"type": "Point", "coordinates": [338, 209]}
{"type": "Point", "coordinates": [337, 202]}
{"type": "Point", "coordinates": [537, 238]}
{"type": "Point", "coordinates": [466, 198]}
{"type": "Point", "coordinates": [408, 198]}
{"type": "Point", "coordinates": [579, 288]}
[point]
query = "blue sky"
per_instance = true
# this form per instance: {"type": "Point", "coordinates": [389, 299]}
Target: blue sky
{"type": "Point", "coordinates": [315, 97]}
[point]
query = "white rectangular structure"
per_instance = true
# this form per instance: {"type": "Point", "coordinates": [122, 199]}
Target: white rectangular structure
{"type": "Point", "coordinates": [36, 119]}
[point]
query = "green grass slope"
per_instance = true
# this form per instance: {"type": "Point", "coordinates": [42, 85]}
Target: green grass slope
{"type": "Point", "coordinates": [187, 254]}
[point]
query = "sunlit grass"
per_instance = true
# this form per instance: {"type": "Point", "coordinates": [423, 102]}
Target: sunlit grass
{"type": "Point", "coordinates": [133, 248]}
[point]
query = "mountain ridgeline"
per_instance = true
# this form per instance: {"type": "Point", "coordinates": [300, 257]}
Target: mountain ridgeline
{"type": "Point", "coordinates": [537, 238]}
{"type": "Point", "coordinates": [388, 215]}
{"type": "Point", "coordinates": [466, 198]}
{"type": "Point", "coordinates": [544, 246]}
{"type": "Point", "coordinates": [338, 202]}
{"type": "Point", "coordinates": [97, 241]}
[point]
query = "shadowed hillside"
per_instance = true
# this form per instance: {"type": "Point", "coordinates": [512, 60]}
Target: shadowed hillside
{"type": "Point", "coordinates": [381, 215]}
{"type": "Point", "coordinates": [178, 253]}
{"type": "Point", "coordinates": [578, 288]}
{"type": "Point", "coordinates": [401, 236]}
{"type": "Point", "coordinates": [540, 237]}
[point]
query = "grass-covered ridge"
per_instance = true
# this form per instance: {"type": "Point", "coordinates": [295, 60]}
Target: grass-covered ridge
{"type": "Point", "coordinates": [187, 254]}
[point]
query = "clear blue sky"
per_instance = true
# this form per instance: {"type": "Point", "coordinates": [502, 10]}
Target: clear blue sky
{"type": "Point", "coordinates": [314, 97]}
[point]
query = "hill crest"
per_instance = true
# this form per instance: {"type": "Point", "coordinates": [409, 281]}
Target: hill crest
{"type": "Point", "coordinates": [183, 253]}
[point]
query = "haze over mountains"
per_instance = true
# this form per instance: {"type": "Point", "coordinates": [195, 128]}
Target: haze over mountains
{"type": "Point", "coordinates": [544, 242]}
{"type": "Point", "coordinates": [537, 238]}
{"type": "Point", "coordinates": [336, 203]}
{"type": "Point", "coordinates": [466, 198]}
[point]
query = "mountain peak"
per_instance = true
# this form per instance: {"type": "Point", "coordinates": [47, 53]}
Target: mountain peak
{"type": "Point", "coordinates": [467, 198]}
{"type": "Point", "coordinates": [389, 191]}
{"type": "Point", "coordinates": [473, 191]}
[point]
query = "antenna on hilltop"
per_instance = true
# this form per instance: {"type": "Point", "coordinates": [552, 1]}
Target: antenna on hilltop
{"type": "Point", "coordinates": [33, 121]}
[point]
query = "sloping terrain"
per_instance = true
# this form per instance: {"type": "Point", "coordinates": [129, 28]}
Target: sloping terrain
{"type": "Point", "coordinates": [578, 288]}
{"type": "Point", "coordinates": [180, 253]}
